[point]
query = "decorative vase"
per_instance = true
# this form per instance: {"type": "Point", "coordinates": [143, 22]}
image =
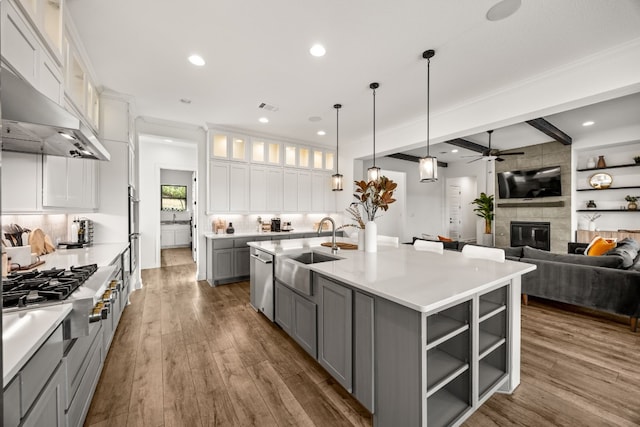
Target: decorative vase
{"type": "Point", "coordinates": [591, 205]}
{"type": "Point", "coordinates": [230, 228]}
{"type": "Point", "coordinates": [361, 234]}
{"type": "Point", "coordinates": [632, 206]}
{"type": "Point", "coordinates": [601, 162]}
{"type": "Point", "coordinates": [591, 163]}
{"type": "Point", "coordinates": [371, 237]}
{"type": "Point", "coordinates": [592, 226]}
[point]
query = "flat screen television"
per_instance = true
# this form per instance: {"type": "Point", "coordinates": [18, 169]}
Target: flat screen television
{"type": "Point", "coordinates": [542, 182]}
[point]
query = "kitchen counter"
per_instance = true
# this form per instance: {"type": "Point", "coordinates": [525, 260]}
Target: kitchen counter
{"type": "Point", "coordinates": [420, 280]}
{"type": "Point", "coordinates": [100, 254]}
{"type": "Point", "coordinates": [23, 332]}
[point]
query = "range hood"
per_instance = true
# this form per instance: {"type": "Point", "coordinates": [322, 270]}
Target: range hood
{"type": "Point", "coordinates": [32, 123]}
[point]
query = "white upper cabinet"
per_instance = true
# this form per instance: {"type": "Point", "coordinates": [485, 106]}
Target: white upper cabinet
{"type": "Point", "coordinates": [290, 190]}
{"type": "Point", "coordinates": [258, 188]}
{"type": "Point", "coordinates": [25, 53]}
{"type": "Point", "coordinates": [275, 189]}
{"type": "Point", "coordinates": [46, 16]}
{"type": "Point", "coordinates": [69, 183]}
{"type": "Point", "coordinates": [266, 152]}
{"type": "Point", "coordinates": [228, 147]}
{"type": "Point", "coordinates": [25, 169]}
{"type": "Point", "coordinates": [290, 155]}
{"type": "Point", "coordinates": [228, 187]}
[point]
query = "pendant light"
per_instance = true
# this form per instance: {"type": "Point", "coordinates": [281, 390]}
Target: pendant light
{"type": "Point", "coordinates": [373, 173]}
{"type": "Point", "coordinates": [336, 179]}
{"type": "Point", "coordinates": [428, 164]}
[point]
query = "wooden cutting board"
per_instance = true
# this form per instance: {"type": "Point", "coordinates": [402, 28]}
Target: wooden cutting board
{"type": "Point", "coordinates": [36, 240]}
{"type": "Point", "coordinates": [48, 244]}
{"type": "Point", "coordinates": [341, 245]}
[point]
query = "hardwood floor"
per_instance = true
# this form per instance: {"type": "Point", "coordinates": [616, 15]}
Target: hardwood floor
{"type": "Point", "coordinates": [175, 256]}
{"type": "Point", "coordinates": [187, 354]}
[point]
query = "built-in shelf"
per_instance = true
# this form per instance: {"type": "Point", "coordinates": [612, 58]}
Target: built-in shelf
{"type": "Point", "coordinates": [442, 368]}
{"type": "Point", "coordinates": [489, 309]}
{"type": "Point", "coordinates": [607, 210]}
{"type": "Point", "coordinates": [488, 343]}
{"type": "Point", "coordinates": [610, 188]}
{"type": "Point", "coordinates": [555, 204]}
{"type": "Point", "coordinates": [609, 167]}
{"type": "Point", "coordinates": [444, 408]}
{"type": "Point", "coordinates": [488, 377]}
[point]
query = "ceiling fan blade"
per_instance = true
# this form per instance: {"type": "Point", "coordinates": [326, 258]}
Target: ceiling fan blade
{"type": "Point", "coordinates": [498, 159]}
{"type": "Point", "coordinates": [512, 154]}
{"type": "Point", "coordinates": [468, 157]}
{"type": "Point", "coordinates": [475, 160]}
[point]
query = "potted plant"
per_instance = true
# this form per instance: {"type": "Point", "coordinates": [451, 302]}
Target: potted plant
{"type": "Point", "coordinates": [636, 159]}
{"type": "Point", "coordinates": [632, 206]}
{"type": "Point", "coordinates": [484, 209]}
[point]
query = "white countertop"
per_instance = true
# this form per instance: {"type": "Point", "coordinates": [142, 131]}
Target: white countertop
{"type": "Point", "coordinates": [23, 332]}
{"type": "Point", "coordinates": [420, 280]}
{"type": "Point", "coordinates": [100, 254]}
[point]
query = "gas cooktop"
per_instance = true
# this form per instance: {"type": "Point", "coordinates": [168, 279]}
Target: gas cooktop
{"type": "Point", "coordinates": [23, 289]}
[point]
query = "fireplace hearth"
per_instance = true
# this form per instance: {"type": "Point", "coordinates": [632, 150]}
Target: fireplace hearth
{"type": "Point", "coordinates": [534, 234]}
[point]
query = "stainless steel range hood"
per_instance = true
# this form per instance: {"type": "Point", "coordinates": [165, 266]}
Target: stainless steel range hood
{"type": "Point", "coordinates": [32, 123]}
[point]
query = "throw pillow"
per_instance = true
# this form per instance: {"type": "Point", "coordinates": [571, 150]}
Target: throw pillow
{"type": "Point", "coordinates": [602, 261]}
{"type": "Point", "coordinates": [599, 246]}
{"type": "Point", "coordinates": [629, 250]}
{"type": "Point", "coordinates": [444, 239]}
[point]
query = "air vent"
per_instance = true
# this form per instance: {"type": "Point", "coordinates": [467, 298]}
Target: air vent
{"type": "Point", "coordinates": [268, 107]}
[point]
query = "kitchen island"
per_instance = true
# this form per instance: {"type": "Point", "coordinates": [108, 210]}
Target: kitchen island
{"type": "Point", "coordinates": [419, 338]}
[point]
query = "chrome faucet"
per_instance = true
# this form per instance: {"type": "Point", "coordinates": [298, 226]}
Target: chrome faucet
{"type": "Point", "coordinates": [334, 247]}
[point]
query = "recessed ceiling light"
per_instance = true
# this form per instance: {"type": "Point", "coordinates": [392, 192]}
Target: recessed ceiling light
{"type": "Point", "coordinates": [263, 120]}
{"type": "Point", "coordinates": [317, 50]}
{"type": "Point", "coordinates": [503, 9]}
{"type": "Point", "coordinates": [185, 100]}
{"type": "Point", "coordinates": [455, 150]}
{"type": "Point", "coordinates": [315, 118]}
{"type": "Point", "coordinates": [321, 133]}
{"type": "Point", "coordinates": [196, 60]}
{"type": "Point", "coordinates": [588, 123]}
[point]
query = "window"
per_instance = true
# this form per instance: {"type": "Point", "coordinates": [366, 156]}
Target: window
{"type": "Point", "coordinates": [173, 197]}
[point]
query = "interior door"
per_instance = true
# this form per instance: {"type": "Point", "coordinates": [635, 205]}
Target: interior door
{"type": "Point", "coordinates": [454, 196]}
{"type": "Point", "coordinates": [194, 217]}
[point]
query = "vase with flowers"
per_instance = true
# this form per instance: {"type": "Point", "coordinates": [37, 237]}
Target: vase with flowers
{"type": "Point", "coordinates": [592, 221]}
{"type": "Point", "coordinates": [371, 197]}
{"type": "Point", "coordinates": [632, 206]}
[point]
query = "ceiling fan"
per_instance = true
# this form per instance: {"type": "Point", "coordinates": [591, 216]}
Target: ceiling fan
{"type": "Point", "coordinates": [490, 154]}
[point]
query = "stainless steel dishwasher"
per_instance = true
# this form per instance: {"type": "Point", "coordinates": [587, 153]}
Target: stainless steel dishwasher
{"type": "Point", "coordinates": [262, 282]}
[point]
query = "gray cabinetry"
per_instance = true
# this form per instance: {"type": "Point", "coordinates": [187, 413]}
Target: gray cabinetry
{"type": "Point", "coordinates": [48, 410]}
{"type": "Point", "coordinates": [284, 307]}
{"type": "Point", "coordinates": [228, 260]}
{"type": "Point", "coordinates": [363, 349]}
{"type": "Point", "coordinates": [335, 338]}
{"type": "Point", "coordinates": [304, 324]}
{"type": "Point", "coordinates": [297, 316]}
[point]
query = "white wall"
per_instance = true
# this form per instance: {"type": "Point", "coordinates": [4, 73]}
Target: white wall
{"type": "Point", "coordinates": [177, 177]}
{"type": "Point", "coordinates": [187, 152]}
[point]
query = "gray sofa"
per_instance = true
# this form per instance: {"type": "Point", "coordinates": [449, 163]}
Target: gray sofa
{"type": "Point", "coordinates": [610, 282]}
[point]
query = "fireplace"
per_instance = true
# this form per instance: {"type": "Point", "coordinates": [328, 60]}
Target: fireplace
{"type": "Point", "coordinates": [534, 234]}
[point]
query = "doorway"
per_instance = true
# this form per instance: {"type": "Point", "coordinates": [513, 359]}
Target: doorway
{"type": "Point", "coordinates": [177, 217]}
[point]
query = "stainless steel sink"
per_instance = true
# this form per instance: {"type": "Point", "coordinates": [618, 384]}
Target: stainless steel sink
{"type": "Point", "coordinates": [314, 257]}
{"type": "Point", "coordinates": [292, 269]}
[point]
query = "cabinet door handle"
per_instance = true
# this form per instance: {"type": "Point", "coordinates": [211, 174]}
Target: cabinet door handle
{"type": "Point", "coordinates": [264, 261]}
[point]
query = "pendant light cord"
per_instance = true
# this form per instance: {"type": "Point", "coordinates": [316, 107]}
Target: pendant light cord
{"type": "Point", "coordinates": [428, 90]}
{"type": "Point", "coordinates": [374, 127]}
{"type": "Point", "coordinates": [337, 107]}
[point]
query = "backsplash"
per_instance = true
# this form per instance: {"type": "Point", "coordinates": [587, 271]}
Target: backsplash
{"type": "Point", "coordinates": [249, 223]}
{"type": "Point", "coordinates": [55, 226]}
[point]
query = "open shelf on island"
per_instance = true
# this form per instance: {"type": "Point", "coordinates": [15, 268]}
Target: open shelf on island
{"type": "Point", "coordinates": [492, 334]}
{"type": "Point", "coordinates": [492, 303]}
{"type": "Point", "coordinates": [442, 369]}
{"type": "Point", "coordinates": [447, 324]}
{"type": "Point", "coordinates": [449, 403]}
{"type": "Point", "coordinates": [492, 370]}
